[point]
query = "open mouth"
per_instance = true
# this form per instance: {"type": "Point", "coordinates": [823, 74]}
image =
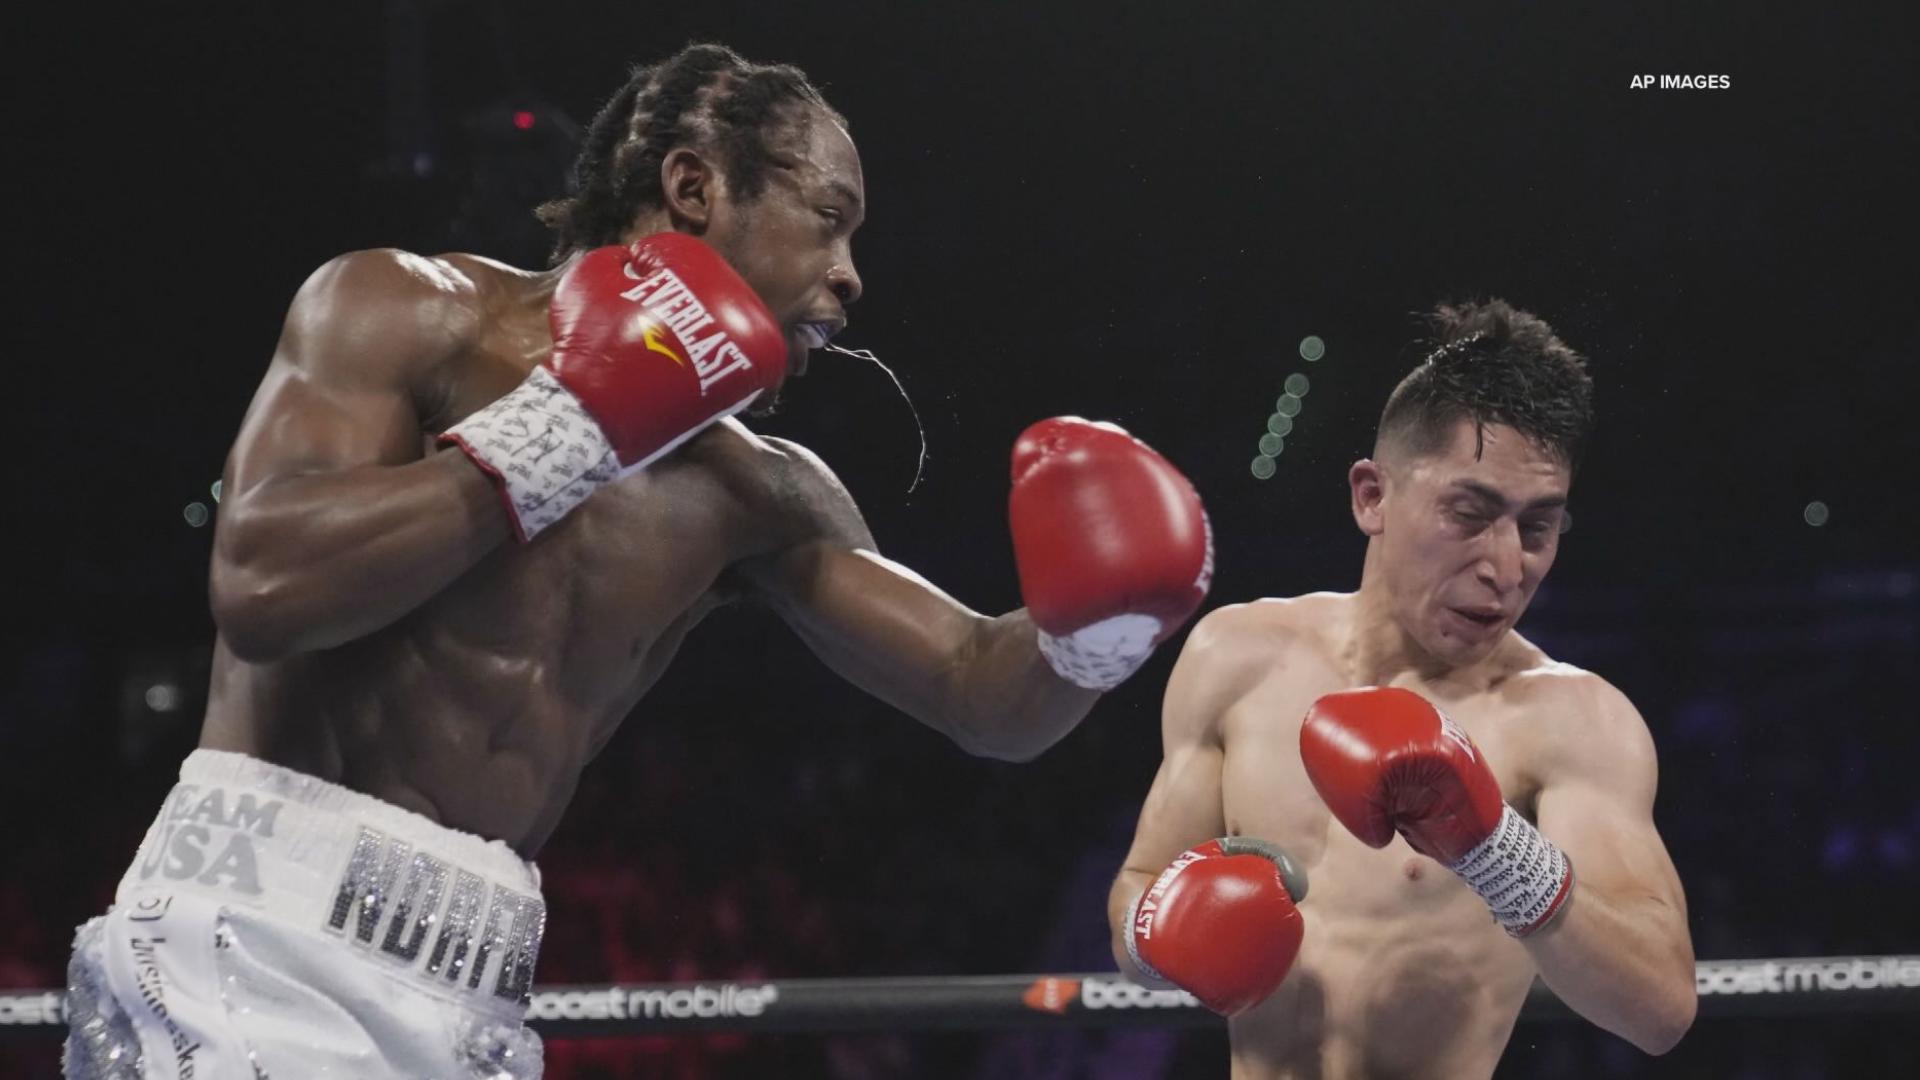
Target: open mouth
{"type": "Point", "coordinates": [815, 335]}
{"type": "Point", "coordinates": [1480, 619]}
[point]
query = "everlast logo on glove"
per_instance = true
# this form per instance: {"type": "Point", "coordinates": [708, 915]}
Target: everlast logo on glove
{"type": "Point", "coordinates": [666, 297]}
{"type": "Point", "coordinates": [1150, 903]}
{"type": "Point", "coordinates": [1453, 731]}
{"type": "Point", "coordinates": [602, 403]}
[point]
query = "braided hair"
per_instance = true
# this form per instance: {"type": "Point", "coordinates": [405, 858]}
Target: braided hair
{"type": "Point", "coordinates": [705, 96]}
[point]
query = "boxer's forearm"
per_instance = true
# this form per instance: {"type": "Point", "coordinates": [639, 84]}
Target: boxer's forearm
{"type": "Point", "coordinates": [1626, 964]}
{"type": "Point", "coordinates": [309, 562]}
{"type": "Point", "coordinates": [1007, 703]}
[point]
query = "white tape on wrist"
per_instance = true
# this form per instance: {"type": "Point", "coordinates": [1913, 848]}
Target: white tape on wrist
{"type": "Point", "coordinates": [1521, 875]}
{"type": "Point", "coordinates": [542, 447]}
{"type": "Point", "coordinates": [1101, 656]}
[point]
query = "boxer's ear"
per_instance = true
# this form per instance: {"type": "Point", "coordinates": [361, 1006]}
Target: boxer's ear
{"type": "Point", "coordinates": [1368, 484]}
{"type": "Point", "coordinates": [690, 185]}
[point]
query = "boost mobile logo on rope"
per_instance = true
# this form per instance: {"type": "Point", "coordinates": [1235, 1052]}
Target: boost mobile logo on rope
{"type": "Point", "coordinates": [619, 1003]}
{"type": "Point", "coordinates": [1051, 994]}
{"type": "Point", "coordinates": [32, 1009]}
{"type": "Point", "coordinates": [1796, 977]}
{"type": "Point", "coordinates": [668, 299]}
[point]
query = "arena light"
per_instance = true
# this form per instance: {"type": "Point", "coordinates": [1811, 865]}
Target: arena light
{"type": "Point", "coordinates": [163, 697]}
{"type": "Point", "coordinates": [1280, 422]}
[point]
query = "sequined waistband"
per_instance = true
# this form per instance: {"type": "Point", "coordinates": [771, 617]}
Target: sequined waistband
{"type": "Point", "coordinates": [461, 915]}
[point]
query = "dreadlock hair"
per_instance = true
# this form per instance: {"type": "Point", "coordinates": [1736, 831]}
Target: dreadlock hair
{"type": "Point", "coordinates": [705, 96]}
{"type": "Point", "coordinates": [1492, 363]}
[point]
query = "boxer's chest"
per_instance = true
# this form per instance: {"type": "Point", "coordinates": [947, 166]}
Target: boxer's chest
{"type": "Point", "coordinates": [598, 602]}
{"type": "Point", "coordinates": [1266, 793]}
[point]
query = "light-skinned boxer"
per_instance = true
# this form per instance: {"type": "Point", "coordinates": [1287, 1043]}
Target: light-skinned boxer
{"type": "Point", "coordinates": [1470, 812]}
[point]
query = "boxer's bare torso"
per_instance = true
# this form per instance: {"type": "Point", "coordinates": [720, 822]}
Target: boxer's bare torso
{"type": "Point", "coordinates": [480, 707]}
{"type": "Point", "coordinates": [1402, 971]}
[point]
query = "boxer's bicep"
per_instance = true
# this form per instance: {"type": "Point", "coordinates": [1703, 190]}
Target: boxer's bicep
{"type": "Point", "coordinates": [1182, 808]}
{"type": "Point", "coordinates": [1185, 806]}
{"type": "Point", "coordinates": [352, 366]}
{"type": "Point", "coordinates": [333, 520]}
{"type": "Point", "coordinates": [1597, 805]}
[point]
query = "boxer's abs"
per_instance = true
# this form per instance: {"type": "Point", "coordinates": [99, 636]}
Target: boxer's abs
{"type": "Point", "coordinates": [480, 709]}
{"type": "Point", "coordinates": [1401, 972]}
{"type": "Point", "coordinates": [1395, 978]}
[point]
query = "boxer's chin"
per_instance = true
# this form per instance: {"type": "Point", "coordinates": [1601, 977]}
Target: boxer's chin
{"type": "Point", "coordinates": [799, 352]}
{"type": "Point", "coordinates": [768, 403]}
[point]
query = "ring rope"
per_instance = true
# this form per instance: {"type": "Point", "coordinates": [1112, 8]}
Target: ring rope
{"type": "Point", "coordinates": [1792, 986]}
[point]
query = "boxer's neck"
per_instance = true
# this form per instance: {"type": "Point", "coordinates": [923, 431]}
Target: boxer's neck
{"type": "Point", "coordinates": [1379, 651]}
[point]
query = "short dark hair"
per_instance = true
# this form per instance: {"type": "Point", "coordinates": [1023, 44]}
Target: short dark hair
{"type": "Point", "coordinates": [705, 96]}
{"type": "Point", "coordinates": [1492, 363]}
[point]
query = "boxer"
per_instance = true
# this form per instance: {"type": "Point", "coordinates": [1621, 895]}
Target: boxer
{"type": "Point", "coordinates": [1470, 811]}
{"type": "Point", "coordinates": [469, 519]}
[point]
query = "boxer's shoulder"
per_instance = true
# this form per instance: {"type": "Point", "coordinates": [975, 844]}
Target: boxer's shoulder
{"type": "Point", "coordinates": [1573, 713]}
{"type": "Point", "coordinates": [789, 492]}
{"type": "Point", "coordinates": [392, 277]}
{"type": "Point", "coordinates": [1271, 631]}
{"type": "Point", "coordinates": [1247, 653]}
{"type": "Point", "coordinates": [383, 305]}
{"type": "Point", "coordinates": [1534, 680]}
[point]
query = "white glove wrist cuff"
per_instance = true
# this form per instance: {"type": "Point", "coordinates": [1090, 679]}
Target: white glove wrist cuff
{"type": "Point", "coordinates": [1521, 875]}
{"type": "Point", "coordinates": [541, 447]}
{"type": "Point", "coordinates": [1103, 655]}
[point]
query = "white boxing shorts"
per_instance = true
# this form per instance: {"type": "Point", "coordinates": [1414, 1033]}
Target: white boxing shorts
{"type": "Point", "coordinates": [275, 925]}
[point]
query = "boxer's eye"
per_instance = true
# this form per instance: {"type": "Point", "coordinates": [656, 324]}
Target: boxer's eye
{"type": "Point", "coordinates": [833, 215]}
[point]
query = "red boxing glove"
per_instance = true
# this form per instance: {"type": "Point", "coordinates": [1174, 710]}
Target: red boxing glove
{"type": "Point", "coordinates": [1384, 760]}
{"type": "Point", "coordinates": [1112, 543]}
{"type": "Point", "coordinates": [651, 343]}
{"type": "Point", "coordinates": [1221, 922]}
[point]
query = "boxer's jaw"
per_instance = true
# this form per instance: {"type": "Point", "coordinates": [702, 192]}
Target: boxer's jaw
{"type": "Point", "coordinates": [1466, 537]}
{"type": "Point", "coordinates": [791, 239]}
